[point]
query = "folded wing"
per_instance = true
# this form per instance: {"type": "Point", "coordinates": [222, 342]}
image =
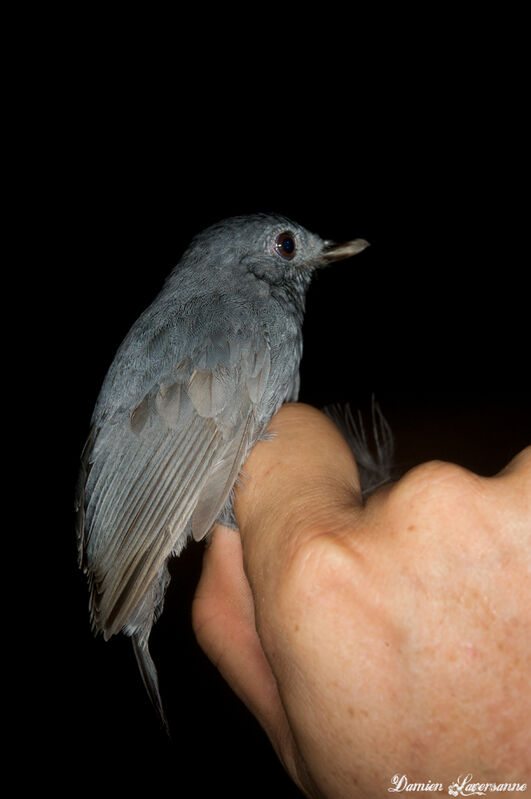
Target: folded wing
{"type": "Point", "coordinates": [164, 468]}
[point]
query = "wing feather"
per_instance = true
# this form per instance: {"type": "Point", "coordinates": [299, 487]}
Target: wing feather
{"type": "Point", "coordinates": [221, 480]}
{"type": "Point", "coordinates": [161, 469]}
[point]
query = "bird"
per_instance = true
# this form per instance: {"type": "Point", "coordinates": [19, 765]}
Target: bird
{"type": "Point", "coordinates": [191, 389]}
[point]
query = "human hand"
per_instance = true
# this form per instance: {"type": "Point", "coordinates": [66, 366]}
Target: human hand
{"type": "Point", "coordinates": [390, 638]}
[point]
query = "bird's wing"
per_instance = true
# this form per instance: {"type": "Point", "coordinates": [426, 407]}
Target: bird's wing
{"type": "Point", "coordinates": [165, 467]}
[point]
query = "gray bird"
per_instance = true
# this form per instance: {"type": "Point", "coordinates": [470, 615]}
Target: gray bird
{"type": "Point", "coordinates": [190, 391]}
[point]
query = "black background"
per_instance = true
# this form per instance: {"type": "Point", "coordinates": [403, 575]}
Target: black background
{"type": "Point", "coordinates": [433, 319]}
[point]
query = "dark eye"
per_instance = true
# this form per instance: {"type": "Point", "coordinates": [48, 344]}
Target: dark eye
{"type": "Point", "coordinates": [285, 245]}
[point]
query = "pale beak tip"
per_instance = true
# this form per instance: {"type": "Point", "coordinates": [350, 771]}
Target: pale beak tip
{"type": "Point", "coordinates": [339, 252]}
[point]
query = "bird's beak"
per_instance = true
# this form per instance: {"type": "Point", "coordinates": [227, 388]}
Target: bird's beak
{"type": "Point", "coordinates": [339, 252]}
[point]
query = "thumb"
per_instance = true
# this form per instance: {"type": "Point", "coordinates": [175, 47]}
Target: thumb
{"type": "Point", "coordinates": [302, 482]}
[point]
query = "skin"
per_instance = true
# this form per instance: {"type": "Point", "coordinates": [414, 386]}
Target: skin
{"type": "Point", "coordinates": [372, 640]}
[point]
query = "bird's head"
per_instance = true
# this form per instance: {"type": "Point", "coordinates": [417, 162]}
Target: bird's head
{"type": "Point", "coordinates": [271, 247]}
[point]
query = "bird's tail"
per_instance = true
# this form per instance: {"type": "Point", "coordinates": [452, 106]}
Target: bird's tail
{"type": "Point", "coordinates": [375, 463]}
{"type": "Point", "coordinates": [149, 676]}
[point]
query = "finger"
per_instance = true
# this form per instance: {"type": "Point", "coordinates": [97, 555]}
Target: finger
{"type": "Point", "coordinates": [300, 483]}
{"type": "Point", "coordinates": [223, 620]}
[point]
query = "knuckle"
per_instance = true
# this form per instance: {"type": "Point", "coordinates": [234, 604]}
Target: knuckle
{"type": "Point", "coordinates": [436, 482]}
{"type": "Point", "coordinates": [519, 465]}
{"type": "Point", "coordinates": [317, 567]}
{"type": "Point", "coordinates": [437, 495]}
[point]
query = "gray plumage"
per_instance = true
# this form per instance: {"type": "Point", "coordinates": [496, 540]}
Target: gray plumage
{"type": "Point", "coordinates": [375, 462]}
{"type": "Point", "coordinates": [191, 389]}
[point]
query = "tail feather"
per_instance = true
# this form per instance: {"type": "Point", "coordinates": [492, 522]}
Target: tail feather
{"type": "Point", "coordinates": [149, 677]}
{"type": "Point", "coordinates": [375, 464]}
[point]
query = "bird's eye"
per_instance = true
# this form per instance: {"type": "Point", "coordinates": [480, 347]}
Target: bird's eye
{"type": "Point", "coordinates": [285, 245]}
